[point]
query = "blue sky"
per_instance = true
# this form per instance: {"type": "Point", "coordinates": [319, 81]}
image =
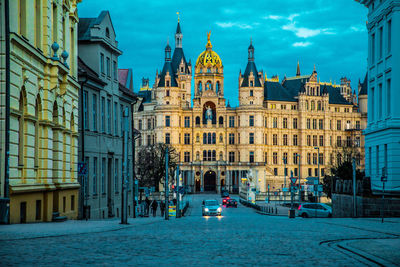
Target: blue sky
{"type": "Point", "coordinates": [328, 33]}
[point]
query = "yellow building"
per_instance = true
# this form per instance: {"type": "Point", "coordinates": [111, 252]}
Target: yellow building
{"type": "Point", "coordinates": [274, 123]}
{"type": "Point", "coordinates": [44, 110]}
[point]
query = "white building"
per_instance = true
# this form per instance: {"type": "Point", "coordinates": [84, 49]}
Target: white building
{"type": "Point", "coordinates": [382, 135]}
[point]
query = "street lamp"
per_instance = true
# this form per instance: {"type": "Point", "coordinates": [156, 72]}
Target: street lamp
{"type": "Point", "coordinates": [318, 170]}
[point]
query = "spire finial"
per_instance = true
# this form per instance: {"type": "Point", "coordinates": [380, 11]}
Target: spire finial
{"type": "Point", "coordinates": [251, 40]}
{"type": "Point", "coordinates": [314, 67]}
{"type": "Point", "coordinates": [178, 15]}
{"type": "Point", "coordinates": [298, 69]}
{"type": "Point", "coordinates": [209, 45]}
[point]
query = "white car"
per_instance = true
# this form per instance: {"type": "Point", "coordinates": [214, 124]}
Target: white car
{"type": "Point", "coordinates": [211, 207]}
{"type": "Point", "coordinates": [307, 210]}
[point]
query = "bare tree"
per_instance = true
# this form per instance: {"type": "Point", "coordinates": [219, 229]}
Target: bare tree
{"type": "Point", "coordinates": [151, 164]}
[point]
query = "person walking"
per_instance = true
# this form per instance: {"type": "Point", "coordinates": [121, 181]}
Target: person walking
{"type": "Point", "coordinates": [147, 201]}
{"type": "Point", "coordinates": [162, 208]}
{"type": "Point", "coordinates": [154, 206]}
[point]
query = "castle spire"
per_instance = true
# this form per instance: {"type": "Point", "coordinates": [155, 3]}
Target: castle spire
{"type": "Point", "coordinates": [251, 51]}
{"type": "Point", "coordinates": [298, 68]}
{"type": "Point", "coordinates": [178, 34]}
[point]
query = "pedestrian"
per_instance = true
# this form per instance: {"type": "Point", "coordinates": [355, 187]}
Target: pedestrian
{"type": "Point", "coordinates": [154, 206]}
{"type": "Point", "coordinates": [147, 201]}
{"type": "Point", "coordinates": [162, 208]}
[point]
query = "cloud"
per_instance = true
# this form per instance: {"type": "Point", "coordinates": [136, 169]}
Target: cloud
{"type": "Point", "coordinates": [301, 44]}
{"type": "Point", "coordinates": [357, 29]}
{"type": "Point", "coordinates": [303, 32]}
{"type": "Point", "coordinates": [235, 25]}
{"type": "Point", "coordinates": [273, 17]}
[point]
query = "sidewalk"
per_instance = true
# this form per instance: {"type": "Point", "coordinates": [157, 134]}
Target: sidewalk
{"type": "Point", "coordinates": [274, 209]}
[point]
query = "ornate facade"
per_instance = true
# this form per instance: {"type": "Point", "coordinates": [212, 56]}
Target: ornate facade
{"type": "Point", "coordinates": [44, 110]}
{"type": "Point", "coordinates": [276, 125]}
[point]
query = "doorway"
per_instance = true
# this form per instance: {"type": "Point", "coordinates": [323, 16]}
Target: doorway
{"type": "Point", "coordinates": [197, 185]}
{"type": "Point", "coordinates": [210, 181]}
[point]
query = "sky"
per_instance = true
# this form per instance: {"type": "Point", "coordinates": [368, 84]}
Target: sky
{"type": "Point", "coordinates": [328, 33]}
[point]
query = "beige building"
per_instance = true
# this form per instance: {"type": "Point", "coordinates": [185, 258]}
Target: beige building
{"type": "Point", "coordinates": [274, 123]}
{"type": "Point", "coordinates": [44, 110]}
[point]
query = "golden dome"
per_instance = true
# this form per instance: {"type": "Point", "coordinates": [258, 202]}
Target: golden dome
{"type": "Point", "coordinates": [209, 58]}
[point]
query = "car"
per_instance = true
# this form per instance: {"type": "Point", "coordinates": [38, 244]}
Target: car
{"type": "Point", "coordinates": [231, 203]}
{"type": "Point", "coordinates": [288, 205]}
{"type": "Point", "coordinates": [224, 200]}
{"type": "Point", "coordinates": [211, 207]}
{"type": "Point", "coordinates": [224, 193]}
{"type": "Point", "coordinates": [307, 210]}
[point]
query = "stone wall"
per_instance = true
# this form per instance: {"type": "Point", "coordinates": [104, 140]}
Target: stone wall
{"type": "Point", "coordinates": [342, 206]}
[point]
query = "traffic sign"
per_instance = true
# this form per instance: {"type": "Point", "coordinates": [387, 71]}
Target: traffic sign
{"type": "Point", "coordinates": [294, 180]}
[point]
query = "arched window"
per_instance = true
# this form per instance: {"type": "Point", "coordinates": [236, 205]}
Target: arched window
{"type": "Point", "coordinates": [199, 87]}
{"type": "Point", "coordinates": [306, 105]}
{"type": "Point", "coordinates": [312, 105]}
{"type": "Point", "coordinates": [197, 120]}
{"type": "Point", "coordinates": [38, 112]}
{"type": "Point", "coordinates": [204, 155]}
{"type": "Point", "coordinates": [319, 107]}
{"type": "Point", "coordinates": [204, 138]}
{"type": "Point", "coordinates": [209, 85]}
{"type": "Point", "coordinates": [209, 138]}
{"type": "Point", "coordinates": [217, 87]}
{"type": "Point", "coordinates": [221, 120]}
{"type": "Point", "coordinates": [21, 133]}
{"type": "Point", "coordinates": [214, 138]}
{"type": "Point", "coordinates": [251, 84]}
{"type": "Point", "coordinates": [214, 155]}
{"type": "Point", "coordinates": [107, 33]}
{"type": "Point", "coordinates": [209, 155]}
{"type": "Point", "coordinates": [221, 138]}
{"type": "Point", "coordinates": [197, 138]}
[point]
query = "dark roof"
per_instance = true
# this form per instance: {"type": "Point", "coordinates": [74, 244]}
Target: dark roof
{"type": "Point", "coordinates": [364, 86]}
{"type": "Point", "coordinates": [85, 24]}
{"type": "Point", "coordinates": [83, 68]}
{"type": "Point", "coordinates": [178, 28]}
{"type": "Point", "coordinates": [146, 95]}
{"type": "Point", "coordinates": [176, 60]}
{"type": "Point", "coordinates": [251, 67]}
{"type": "Point", "coordinates": [276, 92]}
{"type": "Point", "coordinates": [335, 97]}
{"type": "Point", "coordinates": [167, 68]}
{"type": "Point", "coordinates": [296, 84]}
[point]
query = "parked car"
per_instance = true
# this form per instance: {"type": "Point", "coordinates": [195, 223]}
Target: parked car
{"type": "Point", "coordinates": [224, 200]}
{"type": "Point", "coordinates": [306, 210]}
{"type": "Point", "coordinates": [211, 207]}
{"type": "Point", "coordinates": [224, 193]}
{"type": "Point", "coordinates": [231, 203]}
{"type": "Point", "coordinates": [288, 205]}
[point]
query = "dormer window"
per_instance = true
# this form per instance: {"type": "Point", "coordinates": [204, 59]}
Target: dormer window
{"type": "Point", "coordinates": [107, 33]}
{"type": "Point", "coordinates": [251, 83]}
{"type": "Point", "coordinates": [251, 92]}
{"type": "Point", "coordinates": [181, 69]}
{"type": "Point", "coordinates": [168, 86]}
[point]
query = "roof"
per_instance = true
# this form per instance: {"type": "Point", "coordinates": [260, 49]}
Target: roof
{"type": "Point", "coordinates": [364, 86]}
{"type": "Point", "coordinates": [83, 68]}
{"type": "Point", "coordinates": [295, 84]}
{"type": "Point", "coordinates": [176, 60]}
{"type": "Point", "coordinates": [276, 92]}
{"type": "Point", "coordinates": [178, 28]}
{"type": "Point", "coordinates": [125, 78]}
{"type": "Point", "coordinates": [167, 68]}
{"type": "Point", "coordinates": [146, 95]}
{"type": "Point", "coordinates": [126, 91]}
{"type": "Point", "coordinates": [85, 24]}
{"type": "Point", "coordinates": [335, 97]}
{"type": "Point", "coordinates": [251, 67]}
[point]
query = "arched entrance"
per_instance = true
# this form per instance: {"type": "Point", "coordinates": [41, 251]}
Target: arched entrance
{"type": "Point", "coordinates": [210, 181]}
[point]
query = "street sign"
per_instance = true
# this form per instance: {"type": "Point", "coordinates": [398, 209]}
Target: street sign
{"type": "Point", "coordinates": [294, 180]}
{"type": "Point", "coordinates": [82, 168]}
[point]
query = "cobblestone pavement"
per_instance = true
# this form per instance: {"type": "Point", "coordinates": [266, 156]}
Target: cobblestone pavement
{"type": "Point", "coordinates": [239, 237]}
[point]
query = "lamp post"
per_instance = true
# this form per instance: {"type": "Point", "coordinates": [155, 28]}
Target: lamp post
{"type": "Point", "coordinates": [299, 174]}
{"type": "Point", "coordinates": [318, 171]}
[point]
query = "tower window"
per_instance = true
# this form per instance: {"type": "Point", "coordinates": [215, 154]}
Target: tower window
{"type": "Point", "coordinates": [107, 33]}
{"type": "Point", "coordinates": [251, 83]}
{"type": "Point", "coordinates": [251, 92]}
{"type": "Point", "coordinates": [167, 91]}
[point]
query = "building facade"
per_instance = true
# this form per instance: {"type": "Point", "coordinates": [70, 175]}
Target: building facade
{"type": "Point", "coordinates": [277, 125]}
{"type": "Point", "coordinates": [382, 135]}
{"type": "Point", "coordinates": [104, 99]}
{"type": "Point", "coordinates": [43, 110]}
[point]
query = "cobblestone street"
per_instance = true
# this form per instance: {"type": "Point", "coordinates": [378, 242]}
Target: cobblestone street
{"type": "Point", "coordinates": [239, 237]}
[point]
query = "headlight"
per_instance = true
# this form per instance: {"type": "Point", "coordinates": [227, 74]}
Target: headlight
{"type": "Point", "coordinates": [219, 209]}
{"type": "Point", "coordinates": [205, 209]}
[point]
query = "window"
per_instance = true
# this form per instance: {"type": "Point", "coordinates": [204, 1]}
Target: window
{"type": "Point", "coordinates": [115, 70]}
{"type": "Point", "coordinates": [251, 138]}
{"type": "Point", "coordinates": [115, 118]}
{"type": "Point", "coordinates": [275, 171]}
{"type": "Point", "coordinates": [148, 140]}
{"type": "Point", "coordinates": [186, 156]}
{"type": "Point", "coordinates": [275, 139]}
{"type": "Point", "coordinates": [103, 106]}
{"type": "Point", "coordinates": [108, 67]}
{"type": "Point", "coordinates": [54, 18]}
{"type": "Point", "coordinates": [295, 143]}
{"type": "Point", "coordinates": [265, 139]}
{"type": "Point", "coordinates": [238, 138]}
{"type": "Point", "coordinates": [209, 155]}
{"type": "Point", "coordinates": [373, 48]}
{"type": "Point", "coordinates": [251, 121]}
{"type": "Point", "coordinates": [103, 176]}
{"type": "Point", "coordinates": [251, 91]}
{"type": "Point", "coordinates": [339, 125]}
{"type": "Point", "coordinates": [266, 157]}
{"type": "Point", "coordinates": [315, 141]}
{"type": "Point", "coordinates": [231, 121]}
{"type": "Point", "coordinates": [314, 124]}
{"type": "Point", "coordinates": [309, 172]}
{"type": "Point", "coordinates": [285, 140]}
{"type": "Point", "coordinates": [380, 42]}
{"type": "Point", "coordinates": [321, 140]}
{"type": "Point", "coordinates": [265, 122]}
{"type": "Point", "coordinates": [187, 122]}
{"type": "Point", "coordinates": [275, 123]}
{"type": "Point", "coordinates": [321, 124]}
{"type": "Point", "coordinates": [321, 158]}
{"type": "Point", "coordinates": [231, 156]}
{"type": "Point", "coordinates": [295, 123]}
{"type": "Point", "coordinates": [308, 124]}
{"type": "Point", "coordinates": [197, 121]}
{"type": "Point", "coordinates": [309, 158]}
{"type": "Point", "coordinates": [283, 106]}
{"type": "Point", "coordinates": [231, 139]}
{"type": "Point", "coordinates": [348, 141]}
{"type": "Point", "coordinates": [167, 139]}
{"type": "Point", "coordinates": [102, 63]}
{"type": "Point", "coordinates": [140, 125]}
{"type": "Point", "coordinates": [116, 166]}
{"type": "Point", "coordinates": [388, 95]}
{"type": "Point", "coordinates": [85, 110]}
{"type": "Point", "coordinates": [187, 138]}
{"type": "Point", "coordinates": [339, 141]}
{"type": "Point", "coordinates": [109, 116]}
{"type": "Point", "coordinates": [167, 121]}
{"type": "Point", "coordinates": [149, 124]}
{"type": "Point", "coordinates": [315, 159]}
{"type": "Point", "coordinates": [238, 122]}
{"type": "Point", "coordinates": [221, 138]}
{"type": "Point", "coordinates": [284, 123]}
{"type": "Point", "coordinates": [285, 158]}
{"type": "Point", "coordinates": [295, 159]}
{"type": "Point", "coordinates": [389, 36]}
{"type": "Point", "coordinates": [308, 140]}
{"type": "Point", "coordinates": [38, 209]}
{"type": "Point", "coordinates": [94, 176]}
{"type": "Point", "coordinates": [38, 24]}
{"type": "Point", "coordinates": [121, 119]}
{"type": "Point", "coordinates": [94, 112]}
{"type": "Point", "coordinates": [251, 156]}
{"type": "Point", "coordinates": [221, 121]}
{"type": "Point", "coordinates": [167, 92]}
{"type": "Point", "coordinates": [275, 158]}
{"type": "Point", "coordinates": [72, 202]}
